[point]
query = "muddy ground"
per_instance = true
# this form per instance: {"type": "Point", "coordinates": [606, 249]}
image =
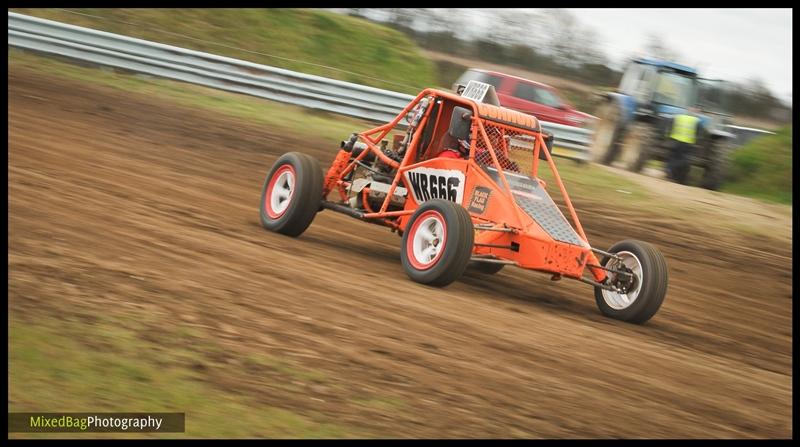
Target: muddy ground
{"type": "Point", "coordinates": [126, 203]}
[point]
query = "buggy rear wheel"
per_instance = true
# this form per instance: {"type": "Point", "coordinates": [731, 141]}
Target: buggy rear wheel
{"type": "Point", "coordinates": [437, 243]}
{"type": "Point", "coordinates": [645, 288]}
{"type": "Point", "coordinates": [291, 195]}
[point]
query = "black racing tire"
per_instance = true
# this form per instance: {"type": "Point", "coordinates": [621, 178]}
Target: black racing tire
{"type": "Point", "coordinates": [301, 176]}
{"type": "Point", "coordinates": [450, 228]}
{"type": "Point", "coordinates": [651, 287]}
{"type": "Point", "coordinates": [485, 268]}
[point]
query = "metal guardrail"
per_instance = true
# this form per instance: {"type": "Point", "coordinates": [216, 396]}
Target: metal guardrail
{"type": "Point", "coordinates": [745, 134]}
{"type": "Point", "coordinates": [276, 84]}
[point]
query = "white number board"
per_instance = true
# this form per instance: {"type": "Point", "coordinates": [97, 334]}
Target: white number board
{"type": "Point", "coordinates": [481, 92]}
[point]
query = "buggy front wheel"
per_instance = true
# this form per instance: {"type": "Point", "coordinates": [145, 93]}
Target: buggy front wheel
{"type": "Point", "coordinates": [643, 283]}
{"type": "Point", "coordinates": [437, 243]}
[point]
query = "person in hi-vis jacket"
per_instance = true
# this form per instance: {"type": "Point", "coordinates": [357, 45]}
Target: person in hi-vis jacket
{"type": "Point", "coordinates": [683, 136]}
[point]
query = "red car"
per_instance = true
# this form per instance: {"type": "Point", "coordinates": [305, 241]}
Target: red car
{"type": "Point", "coordinates": [531, 97]}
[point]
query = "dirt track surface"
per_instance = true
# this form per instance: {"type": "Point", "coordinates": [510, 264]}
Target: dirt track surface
{"type": "Point", "coordinates": [124, 202]}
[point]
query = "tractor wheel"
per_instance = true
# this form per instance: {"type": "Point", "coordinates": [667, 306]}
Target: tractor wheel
{"type": "Point", "coordinates": [716, 164]}
{"type": "Point", "coordinates": [680, 173]}
{"type": "Point", "coordinates": [637, 146]}
{"type": "Point", "coordinates": [437, 243]}
{"type": "Point", "coordinates": [291, 195]}
{"type": "Point", "coordinates": [605, 146]}
{"type": "Point", "coordinates": [644, 291]}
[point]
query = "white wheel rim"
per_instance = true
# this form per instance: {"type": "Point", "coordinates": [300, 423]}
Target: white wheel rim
{"type": "Point", "coordinates": [620, 301]}
{"type": "Point", "coordinates": [282, 192]}
{"type": "Point", "coordinates": [428, 240]}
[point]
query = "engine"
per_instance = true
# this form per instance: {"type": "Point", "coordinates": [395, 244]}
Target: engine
{"type": "Point", "coordinates": [371, 179]}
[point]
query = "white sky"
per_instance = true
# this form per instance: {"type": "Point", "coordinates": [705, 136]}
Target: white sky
{"type": "Point", "coordinates": [732, 44]}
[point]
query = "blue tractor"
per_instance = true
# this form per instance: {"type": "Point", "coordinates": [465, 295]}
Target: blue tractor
{"type": "Point", "coordinates": [635, 121]}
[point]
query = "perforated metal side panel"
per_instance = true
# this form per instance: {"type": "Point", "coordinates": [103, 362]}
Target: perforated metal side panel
{"type": "Point", "coordinates": [545, 212]}
{"type": "Point", "coordinates": [535, 201]}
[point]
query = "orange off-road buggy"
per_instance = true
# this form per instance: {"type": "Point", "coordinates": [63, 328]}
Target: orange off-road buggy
{"type": "Point", "coordinates": [459, 183]}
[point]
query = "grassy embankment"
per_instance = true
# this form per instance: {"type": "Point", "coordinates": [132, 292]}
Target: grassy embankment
{"type": "Point", "coordinates": [763, 168]}
{"type": "Point", "coordinates": [296, 39]}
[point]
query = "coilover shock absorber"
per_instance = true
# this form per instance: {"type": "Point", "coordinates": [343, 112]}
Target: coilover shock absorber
{"type": "Point", "coordinates": [339, 164]}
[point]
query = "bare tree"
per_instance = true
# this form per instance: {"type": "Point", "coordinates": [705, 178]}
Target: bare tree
{"type": "Point", "coordinates": [656, 48]}
{"type": "Point", "coordinates": [356, 12]}
{"type": "Point", "coordinates": [422, 19]}
{"type": "Point", "coordinates": [512, 26]}
{"type": "Point", "coordinates": [402, 17]}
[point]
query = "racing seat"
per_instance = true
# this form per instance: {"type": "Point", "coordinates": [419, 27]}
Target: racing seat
{"type": "Point", "coordinates": [459, 130]}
